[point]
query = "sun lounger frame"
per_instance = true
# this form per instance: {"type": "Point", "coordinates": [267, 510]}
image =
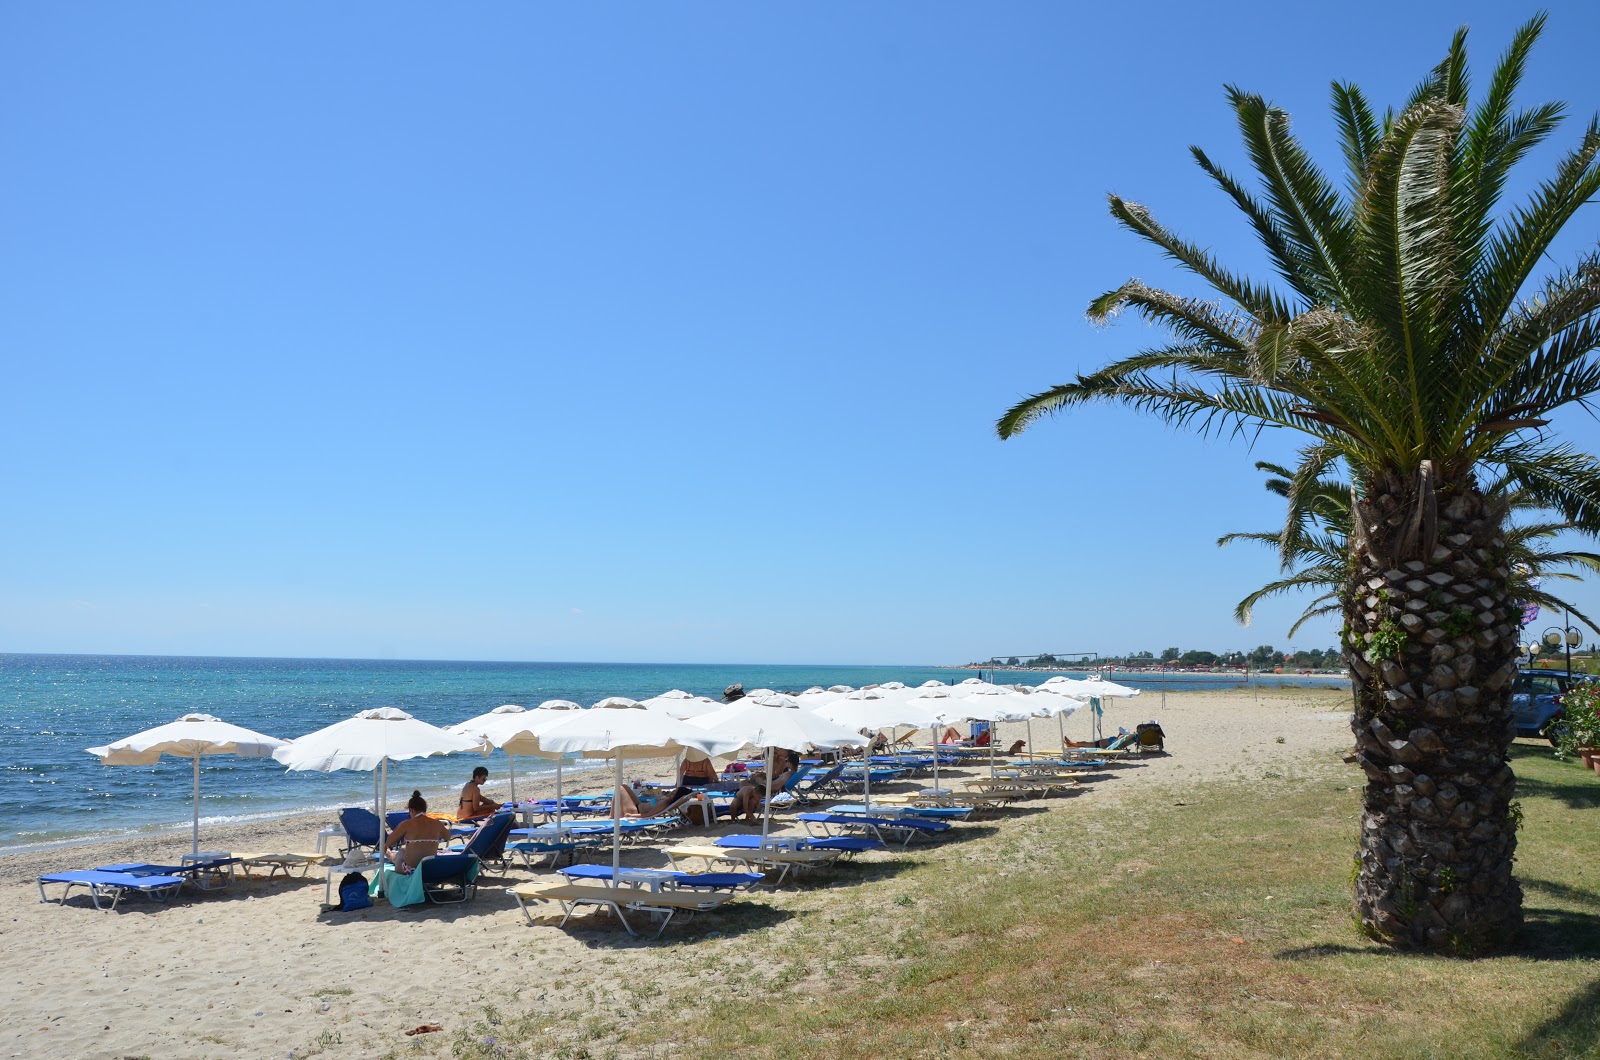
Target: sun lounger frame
{"type": "Point", "coordinates": [99, 882]}
{"type": "Point", "coordinates": [619, 900]}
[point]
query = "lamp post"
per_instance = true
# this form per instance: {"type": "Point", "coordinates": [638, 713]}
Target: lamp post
{"type": "Point", "coordinates": [1532, 648]}
{"type": "Point", "coordinates": [1568, 638]}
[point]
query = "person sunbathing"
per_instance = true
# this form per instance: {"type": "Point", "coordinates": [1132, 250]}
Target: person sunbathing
{"type": "Point", "coordinates": [418, 836]}
{"type": "Point", "coordinates": [473, 801]}
{"type": "Point", "coordinates": [651, 804]}
{"type": "Point", "coordinates": [951, 735]}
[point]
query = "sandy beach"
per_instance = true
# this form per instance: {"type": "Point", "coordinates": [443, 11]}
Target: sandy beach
{"type": "Point", "coordinates": [264, 969]}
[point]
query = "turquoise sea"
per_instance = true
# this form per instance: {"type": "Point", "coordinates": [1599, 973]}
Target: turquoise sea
{"type": "Point", "coordinates": [54, 706]}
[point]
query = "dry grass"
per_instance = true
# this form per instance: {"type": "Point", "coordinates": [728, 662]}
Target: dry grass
{"type": "Point", "coordinates": [1211, 920]}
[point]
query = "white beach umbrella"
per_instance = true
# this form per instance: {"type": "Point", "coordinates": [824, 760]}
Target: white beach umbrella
{"type": "Point", "coordinates": [190, 736]}
{"type": "Point", "coordinates": [943, 707]}
{"type": "Point", "coordinates": [775, 721]}
{"type": "Point", "coordinates": [871, 709]}
{"type": "Point", "coordinates": [682, 705]}
{"type": "Point", "coordinates": [623, 729]}
{"type": "Point", "coordinates": [971, 686]}
{"type": "Point", "coordinates": [1094, 689]}
{"type": "Point", "coordinates": [1057, 702]}
{"type": "Point", "coordinates": [996, 704]}
{"type": "Point", "coordinates": [370, 741]}
{"type": "Point", "coordinates": [515, 730]}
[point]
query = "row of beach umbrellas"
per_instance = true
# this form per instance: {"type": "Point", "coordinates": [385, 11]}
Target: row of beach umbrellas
{"type": "Point", "coordinates": [616, 728]}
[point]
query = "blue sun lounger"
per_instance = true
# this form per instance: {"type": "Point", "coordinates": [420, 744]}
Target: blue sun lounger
{"type": "Point", "coordinates": [907, 827]}
{"type": "Point", "coordinates": [207, 875]}
{"type": "Point", "coordinates": [848, 845]}
{"type": "Point", "coordinates": [111, 884]}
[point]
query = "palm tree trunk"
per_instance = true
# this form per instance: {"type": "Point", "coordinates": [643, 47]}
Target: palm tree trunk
{"type": "Point", "coordinates": [1432, 649]}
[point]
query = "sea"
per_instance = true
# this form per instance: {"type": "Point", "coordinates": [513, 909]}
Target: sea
{"type": "Point", "coordinates": [52, 707]}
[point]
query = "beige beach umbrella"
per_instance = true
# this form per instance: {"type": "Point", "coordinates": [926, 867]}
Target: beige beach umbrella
{"type": "Point", "coordinates": [191, 736]}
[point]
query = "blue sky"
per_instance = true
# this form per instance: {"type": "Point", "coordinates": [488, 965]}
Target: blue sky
{"type": "Point", "coordinates": [635, 332]}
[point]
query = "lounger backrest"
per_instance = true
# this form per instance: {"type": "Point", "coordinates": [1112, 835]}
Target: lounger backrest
{"type": "Point", "coordinates": [796, 777]}
{"type": "Point", "coordinates": [396, 818]}
{"type": "Point", "coordinates": [826, 778]}
{"type": "Point", "coordinates": [489, 841]}
{"type": "Point", "coordinates": [360, 825]}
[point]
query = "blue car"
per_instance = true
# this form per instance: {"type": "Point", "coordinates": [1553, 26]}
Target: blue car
{"type": "Point", "coordinates": [1536, 701]}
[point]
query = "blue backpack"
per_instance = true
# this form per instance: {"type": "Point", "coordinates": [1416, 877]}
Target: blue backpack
{"type": "Point", "coordinates": [353, 893]}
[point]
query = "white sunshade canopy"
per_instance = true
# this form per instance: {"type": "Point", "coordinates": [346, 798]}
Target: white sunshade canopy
{"type": "Point", "coordinates": [190, 737]}
{"type": "Point", "coordinates": [1092, 687]}
{"type": "Point", "coordinates": [996, 704]}
{"type": "Point", "coordinates": [618, 729]}
{"type": "Point", "coordinates": [681, 706]}
{"type": "Point", "coordinates": [613, 728]}
{"type": "Point", "coordinates": [372, 737]}
{"type": "Point", "coordinates": [513, 729]}
{"type": "Point", "coordinates": [776, 721]}
{"type": "Point", "coordinates": [869, 709]}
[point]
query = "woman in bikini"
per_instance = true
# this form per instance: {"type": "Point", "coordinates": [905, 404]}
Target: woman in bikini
{"type": "Point", "coordinates": [473, 802]}
{"type": "Point", "coordinates": [418, 836]}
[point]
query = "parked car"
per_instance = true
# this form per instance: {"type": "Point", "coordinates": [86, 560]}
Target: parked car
{"type": "Point", "coordinates": [1536, 700]}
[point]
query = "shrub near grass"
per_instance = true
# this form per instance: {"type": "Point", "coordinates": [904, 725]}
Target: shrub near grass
{"type": "Point", "coordinates": [1210, 920]}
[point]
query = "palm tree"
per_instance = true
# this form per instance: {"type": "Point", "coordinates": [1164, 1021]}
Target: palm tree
{"type": "Point", "coordinates": [1313, 548]}
{"type": "Point", "coordinates": [1414, 341]}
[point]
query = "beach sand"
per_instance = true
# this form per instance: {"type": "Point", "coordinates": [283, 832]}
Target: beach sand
{"type": "Point", "coordinates": [264, 969]}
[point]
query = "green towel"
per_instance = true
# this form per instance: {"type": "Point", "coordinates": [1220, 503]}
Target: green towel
{"type": "Point", "coordinates": [406, 889]}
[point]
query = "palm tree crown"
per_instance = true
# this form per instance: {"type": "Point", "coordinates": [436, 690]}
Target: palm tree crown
{"type": "Point", "coordinates": [1398, 336]}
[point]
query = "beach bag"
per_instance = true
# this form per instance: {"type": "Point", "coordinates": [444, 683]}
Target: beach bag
{"type": "Point", "coordinates": [353, 893]}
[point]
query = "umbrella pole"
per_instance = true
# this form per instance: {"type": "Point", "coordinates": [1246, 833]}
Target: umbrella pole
{"type": "Point", "coordinates": [558, 793]}
{"type": "Point", "coordinates": [866, 776]}
{"type": "Point", "coordinates": [1061, 727]}
{"type": "Point", "coordinates": [1030, 737]}
{"type": "Point", "coordinates": [383, 815]}
{"type": "Point", "coordinates": [512, 760]}
{"type": "Point", "coordinates": [936, 746]}
{"type": "Point", "coordinates": [196, 805]}
{"type": "Point", "coordinates": [766, 807]}
{"type": "Point", "coordinates": [616, 825]}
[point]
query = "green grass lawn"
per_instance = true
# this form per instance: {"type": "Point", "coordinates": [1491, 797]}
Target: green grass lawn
{"type": "Point", "coordinates": [1208, 920]}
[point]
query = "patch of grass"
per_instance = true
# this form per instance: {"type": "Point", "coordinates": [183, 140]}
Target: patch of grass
{"type": "Point", "coordinates": [1218, 926]}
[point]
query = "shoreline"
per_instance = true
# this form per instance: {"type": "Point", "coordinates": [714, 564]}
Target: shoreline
{"type": "Point", "coordinates": [280, 830]}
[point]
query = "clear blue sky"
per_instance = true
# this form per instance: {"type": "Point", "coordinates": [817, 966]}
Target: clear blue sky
{"type": "Point", "coordinates": [636, 331]}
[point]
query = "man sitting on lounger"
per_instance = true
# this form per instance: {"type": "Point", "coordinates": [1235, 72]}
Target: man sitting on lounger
{"type": "Point", "coordinates": [418, 836]}
{"type": "Point", "coordinates": [747, 800]}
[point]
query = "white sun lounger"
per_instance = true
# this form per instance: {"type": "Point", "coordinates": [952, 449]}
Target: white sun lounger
{"type": "Point", "coordinates": [620, 900]}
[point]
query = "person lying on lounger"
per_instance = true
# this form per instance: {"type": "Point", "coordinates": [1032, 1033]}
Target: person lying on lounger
{"type": "Point", "coordinates": [473, 801]}
{"type": "Point", "coordinates": [951, 735]}
{"type": "Point", "coordinates": [649, 804]}
{"type": "Point", "coordinates": [418, 836]}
